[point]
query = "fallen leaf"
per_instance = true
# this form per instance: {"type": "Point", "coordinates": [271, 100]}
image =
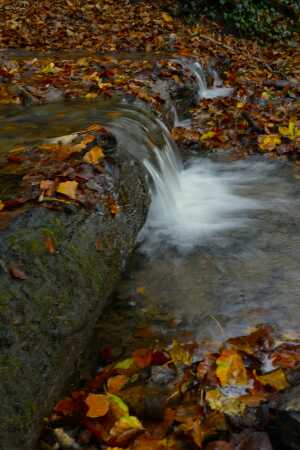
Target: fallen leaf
{"type": "Point", "coordinates": [125, 364]}
{"type": "Point", "coordinates": [94, 155]}
{"type": "Point", "coordinates": [179, 355]}
{"type": "Point", "coordinates": [98, 405]}
{"type": "Point", "coordinates": [167, 18]}
{"type": "Point", "coordinates": [207, 135]}
{"type": "Point", "coordinates": [122, 408]}
{"type": "Point", "coordinates": [292, 132]}
{"type": "Point", "coordinates": [17, 273]}
{"type": "Point", "coordinates": [49, 245]}
{"type": "Point", "coordinates": [116, 383]}
{"type": "Point", "coordinates": [231, 406]}
{"type": "Point", "coordinates": [231, 369]}
{"type": "Point", "coordinates": [269, 142]}
{"type": "Point", "coordinates": [142, 357]}
{"type": "Point", "coordinates": [276, 379]}
{"type": "Point", "coordinates": [68, 188]}
{"type": "Point", "coordinates": [1, 205]}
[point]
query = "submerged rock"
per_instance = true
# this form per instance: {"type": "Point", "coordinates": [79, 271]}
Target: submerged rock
{"type": "Point", "coordinates": [60, 260]}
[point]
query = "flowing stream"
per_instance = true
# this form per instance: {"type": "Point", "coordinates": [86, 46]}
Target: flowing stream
{"type": "Point", "coordinates": [220, 250]}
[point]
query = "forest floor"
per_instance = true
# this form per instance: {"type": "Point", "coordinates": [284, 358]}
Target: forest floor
{"type": "Point", "coordinates": [102, 47]}
{"type": "Point", "coordinates": [73, 49]}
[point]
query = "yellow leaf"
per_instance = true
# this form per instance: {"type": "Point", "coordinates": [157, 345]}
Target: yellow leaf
{"type": "Point", "coordinates": [94, 155]}
{"type": "Point", "coordinates": [68, 188]}
{"type": "Point", "coordinates": [122, 407]}
{"type": "Point", "coordinates": [1, 205]}
{"type": "Point", "coordinates": [207, 135]}
{"type": "Point", "coordinates": [265, 95]}
{"type": "Point", "coordinates": [50, 68]}
{"type": "Point", "coordinates": [125, 364]}
{"type": "Point", "coordinates": [268, 142]}
{"type": "Point", "coordinates": [276, 379]}
{"type": "Point", "coordinates": [292, 132]}
{"type": "Point", "coordinates": [125, 424]}
{"type": "Point", "coordinates": [228, 405]}
{"type": "Point", "coordinates": [140, 290]}
{"type": "Point", "coordinates": [98, 405]}
{"type": "Point", "coordinates": [91, 95]}
{"type": "Point", "coordinates": [179, 355]}
{"type": "Point", "coordinates": [231, 369]}
{"type": "Point", "coordinates": [240, 105]}
{"type": "Point", "coordinates": [167, 17]}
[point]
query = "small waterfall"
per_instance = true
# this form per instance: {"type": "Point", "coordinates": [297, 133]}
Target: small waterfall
{"type": "Point", "coordinates": [203, 90]}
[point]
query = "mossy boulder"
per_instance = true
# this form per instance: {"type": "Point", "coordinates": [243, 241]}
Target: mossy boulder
{"type": "Point", "coordinates": [59, 262]}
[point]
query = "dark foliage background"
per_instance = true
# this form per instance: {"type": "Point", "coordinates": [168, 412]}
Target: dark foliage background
{"type": "Point", "coordinates": [263, 19]}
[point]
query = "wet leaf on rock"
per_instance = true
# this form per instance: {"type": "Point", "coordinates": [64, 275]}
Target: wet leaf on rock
{"type": "Point", "coordinates": [276, 379]}
{"type": "Point", "coordinates": [98, 405]}
{"type": "Point", "coordinates": [231, 369]}
{"type": "Point", "coordinates": [68, 188]}
{"type": "Point", "coordinates": [94, 155]}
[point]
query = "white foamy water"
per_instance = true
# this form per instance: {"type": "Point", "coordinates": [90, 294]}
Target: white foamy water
{"type": "Point", "coordinates": [203, 90]}
{"type": "Point", "coordinates": [203, 199]}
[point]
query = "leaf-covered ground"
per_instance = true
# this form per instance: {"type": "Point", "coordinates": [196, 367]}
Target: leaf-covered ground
{"type": "Point", "coordinates": [262, 115]}
{"type": "Point", "coordinates": [178, 397]}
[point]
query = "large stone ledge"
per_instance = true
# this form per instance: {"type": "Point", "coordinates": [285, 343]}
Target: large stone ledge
{"type": "Point", "coordinates": [58, 266]}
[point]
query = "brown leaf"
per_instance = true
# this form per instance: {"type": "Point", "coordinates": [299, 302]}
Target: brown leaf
{"type": "Point", "coordinates": [17, 273]}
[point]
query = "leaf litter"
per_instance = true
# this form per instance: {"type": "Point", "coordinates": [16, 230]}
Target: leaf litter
{"type": "Point", "coordinates": [150, 402]}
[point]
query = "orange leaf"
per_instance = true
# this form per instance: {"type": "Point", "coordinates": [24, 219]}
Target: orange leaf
{"type": "Point", "coordinates": [231, 369]}
{"type": "Point", "coordinates": [98, 405]}
{"type": "Point", "coordinates": [94, 155]}
{"type": "Point", "coordinates": [68, 188]}
{"type": "Point", "coordinates": [142, 357]}
{"type": "Point", "coordinates": [116, 383]}
{"type": "Point", "coordinates": [49, 245]}
{"type": "Point", "coordinates": [1, 205]}
{"type": "Point", "coordinates": [94, 127]}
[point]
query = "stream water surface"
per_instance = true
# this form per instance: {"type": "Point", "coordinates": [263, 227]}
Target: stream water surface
{"type": "Point", "coordinates": [220, 251]}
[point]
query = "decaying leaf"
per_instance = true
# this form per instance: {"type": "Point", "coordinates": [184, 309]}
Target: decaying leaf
{"type": "Point", "coordinates": [68, 188]}
{"type": "Point", "coordinates": [98, 405]}
{"type": "Point", "coordinates": [17, 273]}
{"type": "Point", "coordinates": [231, 369]}
{"type": "Point", "coordinates": [231, 406]}
{"type": "Point", "coordinates": [179, 355]}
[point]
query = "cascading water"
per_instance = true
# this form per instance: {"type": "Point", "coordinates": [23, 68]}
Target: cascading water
{"type": "Point", "coordinates": [203, 90]}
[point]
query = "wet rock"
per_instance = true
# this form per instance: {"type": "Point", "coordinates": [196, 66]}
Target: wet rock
{"type": "Point", "coordinates": [53, 95]}
{"type": "Point", "coordinates": [48, 317]}
{"type": "Point", "coordinates": [252, 440]}
{"type": "Point", "coordinates": [286, 427]}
